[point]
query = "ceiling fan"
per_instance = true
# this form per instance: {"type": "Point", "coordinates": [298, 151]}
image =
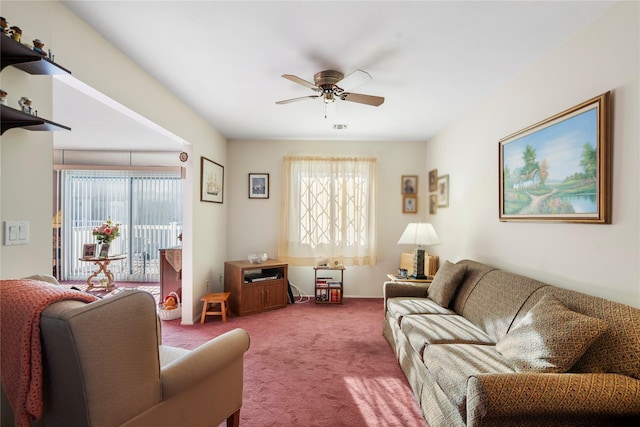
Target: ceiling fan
{"type": "Point", "coordinates": [332, 85]}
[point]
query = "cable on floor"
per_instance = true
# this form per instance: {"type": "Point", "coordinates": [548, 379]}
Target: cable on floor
{"type": "Point", "coordinates": [301, 295]}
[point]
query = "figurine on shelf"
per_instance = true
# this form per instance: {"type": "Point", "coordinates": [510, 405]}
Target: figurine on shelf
{"type": "Point", "coordinates": [25, 105]}
{"type": "Point", "coordinates": [37, 47]}
{"type": "Point", "coordinates": [16, 33]}
{"type": "Point", "coordinates": [3, 97]}
{"type": "Point", "coordinates": [4, 25]}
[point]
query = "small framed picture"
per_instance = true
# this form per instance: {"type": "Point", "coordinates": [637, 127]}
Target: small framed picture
{"type": "Point", "coordinates": [258, 185]}
{"type": "Point", "coordinates": [410, 204]}
{"type": "Point", "coordinates": [104, 250]}
{"type": "Point", "coordinates": [409, 184]}
{"type": "Point", "coordinates": [433, 204]}
{"type": "Point", "coordinates": [443, 191]}
{"type": "Point", "coordinates": [88, 250]}
{"type": "Point", "coordinates": [433, 180]}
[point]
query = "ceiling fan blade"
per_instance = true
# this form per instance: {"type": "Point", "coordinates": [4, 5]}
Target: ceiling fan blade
{"type": "Point", "coordinates": [302, 98]}
{"type": "Point", "coordinates": [300, 81]}
{"type": "Point", "coordinates": [354, 79]}
{"type": "Point", "coordinates": [363, 99]}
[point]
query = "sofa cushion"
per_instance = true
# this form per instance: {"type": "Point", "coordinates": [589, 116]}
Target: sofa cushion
{"type": "Point", "coordinates": [550, 338]}
{"type": "Point", "coordinates": [497, 299]}
{"type": "Point", "coordinates": [452, 364]}
{"type": "Point", "coordinates": [401, 306]}
{"type": "Point", "coordinates": [446, 282]}
{"type": "Point", "coordinates": [427, 329]}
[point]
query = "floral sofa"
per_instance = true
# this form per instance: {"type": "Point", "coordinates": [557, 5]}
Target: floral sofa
{"type": "Point", "coordinates": [485, 347]}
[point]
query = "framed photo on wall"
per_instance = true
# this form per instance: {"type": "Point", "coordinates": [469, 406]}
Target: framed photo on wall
{"type": "Point", "coordinates": [433, 204]}
{"type": "Point", "coordinates": [258, 185]}
{"type": "Point", "coordinates": [559, 169]}
{"type": "Point", "coordinates": [443, 191]}
{"type": "Point", "coordinates": [433, 180]}
{"type": "Point", "coordinates": [410, 204]}
{"type": "Point", "coordinates": [409, 184]}
{"type": "Point", "coordinates": [211, 181]}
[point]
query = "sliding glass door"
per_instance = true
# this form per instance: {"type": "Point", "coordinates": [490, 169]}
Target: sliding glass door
{"type": "Point", "coordinates": [147, 204]}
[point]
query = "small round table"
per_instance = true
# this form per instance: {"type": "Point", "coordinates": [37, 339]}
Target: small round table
{"type": "Point", "coordinates": [103, 267]}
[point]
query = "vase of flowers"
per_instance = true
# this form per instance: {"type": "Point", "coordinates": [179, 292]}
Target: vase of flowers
{"type": "Point", "coordinates": [105, 234]}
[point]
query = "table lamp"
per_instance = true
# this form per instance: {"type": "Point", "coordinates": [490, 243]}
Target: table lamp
{"type": "Point", "coordinates": [419, 233]}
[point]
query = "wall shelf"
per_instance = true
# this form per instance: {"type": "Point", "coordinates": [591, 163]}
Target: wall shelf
{"type": "Point", "coordinates": [25, 59]}
{"type": "Point", "coordinates": [12, 118]}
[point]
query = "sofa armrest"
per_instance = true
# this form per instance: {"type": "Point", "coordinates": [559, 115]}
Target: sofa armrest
{"type": "Point", "coordinates": [400, 289]}
{"type": "Point", "coordinates": [532, 394]}
{"type": "Point", "coordinates": [201, 388]}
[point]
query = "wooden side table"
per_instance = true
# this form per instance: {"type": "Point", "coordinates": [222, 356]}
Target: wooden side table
{"type": "Point", "coordinates": [103, 267]}
{"type": "Point", "coordinates": [396, 278]}
{"type": "Point", "coordinates": [329, 287]}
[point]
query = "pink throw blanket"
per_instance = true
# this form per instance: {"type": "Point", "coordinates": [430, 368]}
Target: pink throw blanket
{"type": "Point", "coordinates": [21, 303]}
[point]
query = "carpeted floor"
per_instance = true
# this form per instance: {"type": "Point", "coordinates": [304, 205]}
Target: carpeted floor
{"type": "Point", "coordinates": [314, 365]}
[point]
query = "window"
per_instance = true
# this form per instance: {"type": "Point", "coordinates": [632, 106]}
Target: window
{"type": "Point", "coordinates": [328, 210]}
{"type": "Point", "coordinates": [147, 204]}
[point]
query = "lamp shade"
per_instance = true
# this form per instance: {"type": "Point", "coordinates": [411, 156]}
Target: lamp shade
{"type": "Point", "coordinates": [419, 233]}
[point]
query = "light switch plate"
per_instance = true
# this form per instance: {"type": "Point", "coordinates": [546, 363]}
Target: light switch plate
{"type": "Point", "coordinates": [16, 233]}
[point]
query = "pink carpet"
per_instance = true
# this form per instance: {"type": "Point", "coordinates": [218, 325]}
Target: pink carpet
{"type": "Point", "coordinates": [314, 365]}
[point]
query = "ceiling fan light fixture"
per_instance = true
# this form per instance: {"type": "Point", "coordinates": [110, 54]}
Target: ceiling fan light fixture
{"type": "Point", "coordinates": [331, 85]}
{"type": "Point", "coordinates": [329, 109]}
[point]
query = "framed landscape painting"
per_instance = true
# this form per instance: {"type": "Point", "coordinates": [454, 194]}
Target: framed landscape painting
{"type": "Point", "coordinates": [559, 169]}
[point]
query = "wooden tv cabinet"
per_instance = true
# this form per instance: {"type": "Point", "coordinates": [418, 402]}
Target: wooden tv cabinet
{"type": "Point", "coordinates": [256, 287]}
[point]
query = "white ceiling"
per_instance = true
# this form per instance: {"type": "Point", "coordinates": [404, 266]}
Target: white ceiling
{"type": "Point", "coordinates": [431, 60]}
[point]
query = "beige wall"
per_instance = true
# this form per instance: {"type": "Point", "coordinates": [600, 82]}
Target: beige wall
{"type": "Point", "coordinates": [602, 260]}
{"type": "Point", "coordinates": [253, 223]}
{"type": "Point", "coordinates": [27, 156]}
{"type": "Point", "coordinates": [598, 259]}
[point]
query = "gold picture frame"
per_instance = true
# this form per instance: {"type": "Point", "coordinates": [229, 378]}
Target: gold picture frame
{"type": "Point", "coordinates": [443, 191]}
{"type": "Point", "coordinates": [559, 170]}
{"type": "Point", "coordinates": [433, 180]}
{"type": "Point", "coordinates": [433, 204]}
{"type": "Point", "coordinates": [410, 204]}
{"type": "Point", "coordinates": [409, 184]}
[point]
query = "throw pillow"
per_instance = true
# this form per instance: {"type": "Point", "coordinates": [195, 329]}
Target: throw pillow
{"type": "Point", "coordinates": [445, 283]}
{"type": "Point", "coordinates": [550, 338]}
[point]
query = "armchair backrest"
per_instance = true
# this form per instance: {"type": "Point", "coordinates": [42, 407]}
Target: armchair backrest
{"type": "Point", "coordinates": [101, 363]}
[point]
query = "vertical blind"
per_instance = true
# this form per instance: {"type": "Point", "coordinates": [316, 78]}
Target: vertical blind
{"type": "Point", "coordinates": [146, 204]}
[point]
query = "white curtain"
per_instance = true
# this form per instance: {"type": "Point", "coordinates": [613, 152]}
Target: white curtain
{"type": "Point", "coordinates": [328, 210]}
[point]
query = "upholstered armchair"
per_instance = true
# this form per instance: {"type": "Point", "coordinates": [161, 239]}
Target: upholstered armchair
{"type": "Point", "coordinates": [104, 365]}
